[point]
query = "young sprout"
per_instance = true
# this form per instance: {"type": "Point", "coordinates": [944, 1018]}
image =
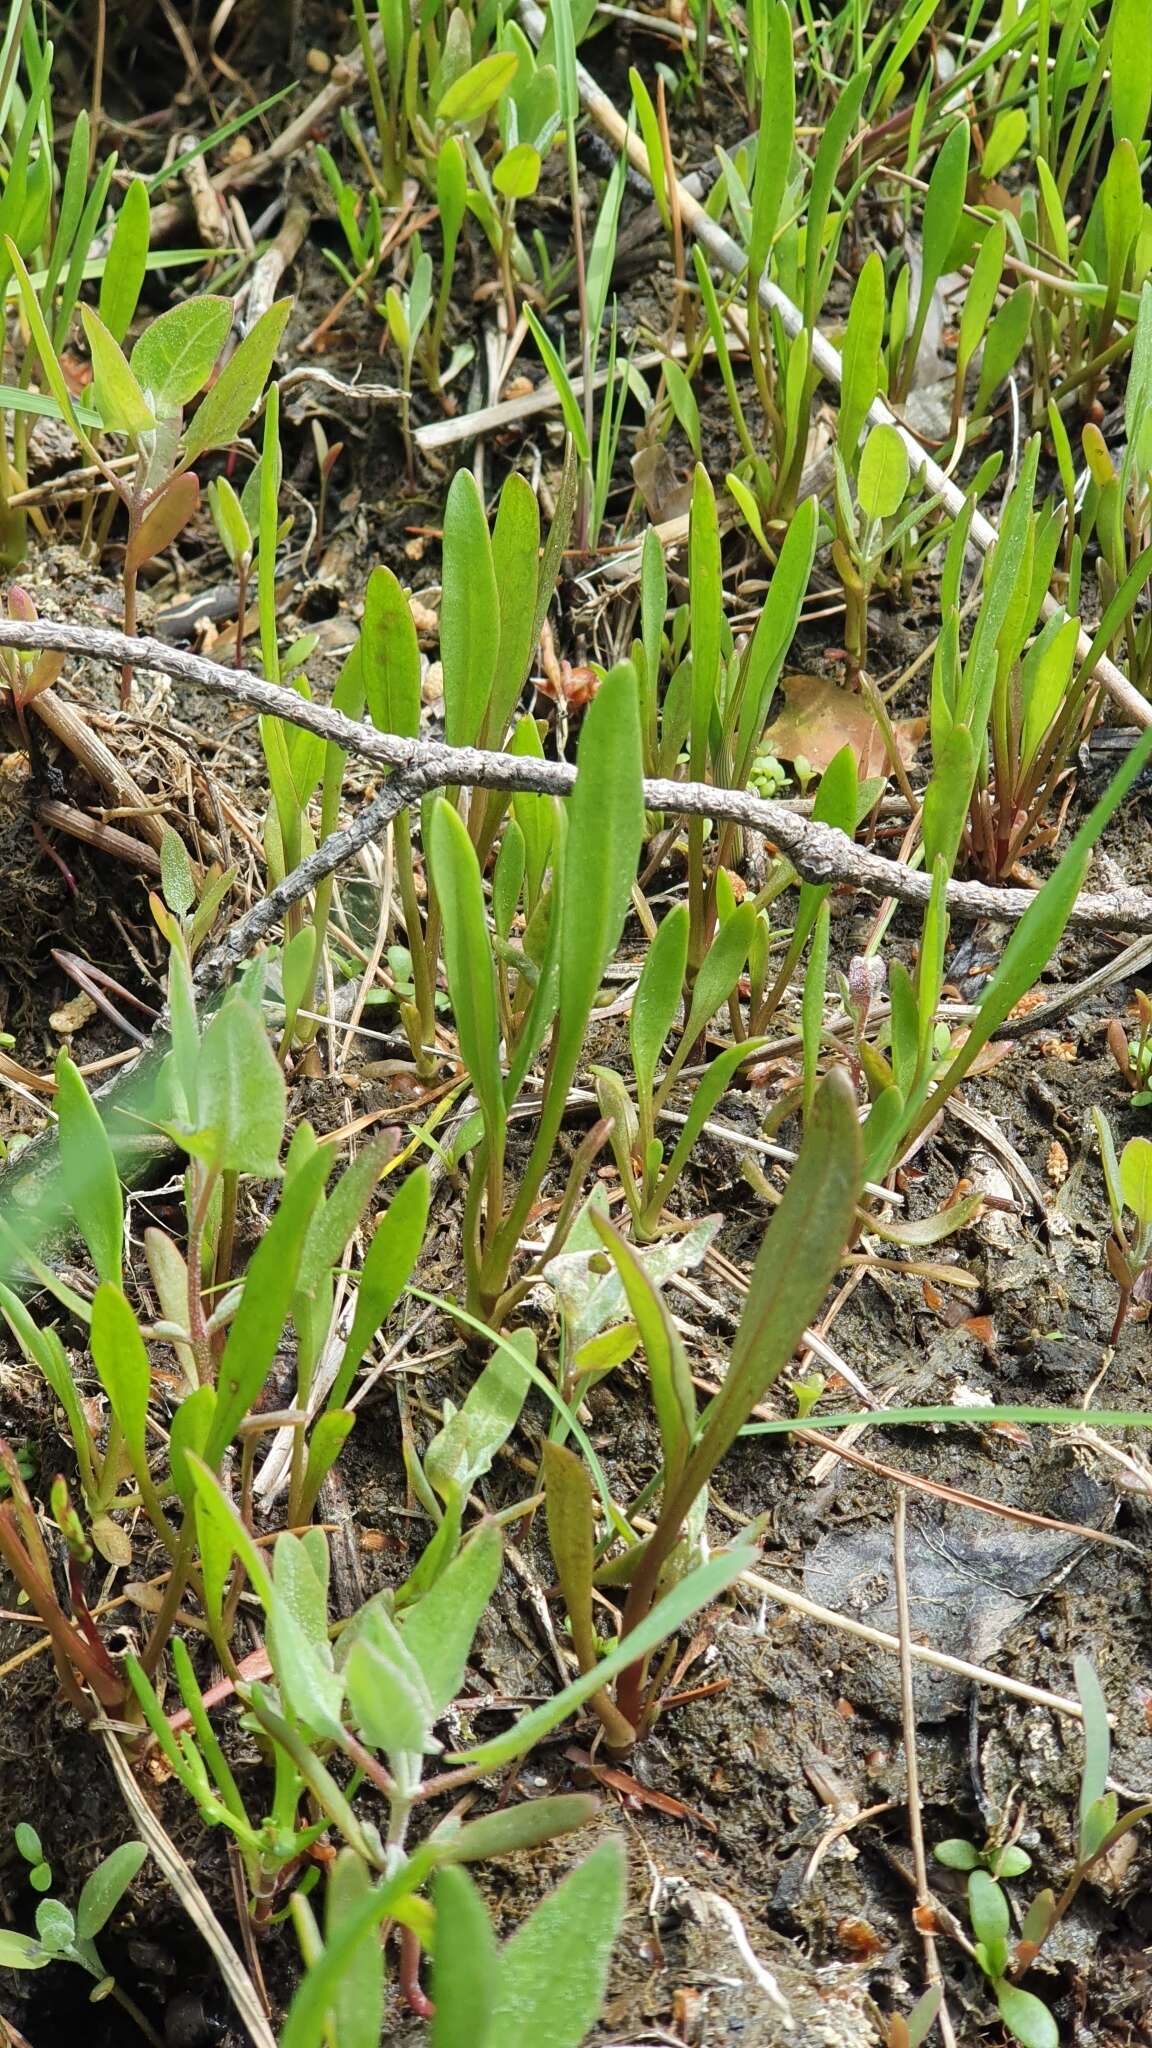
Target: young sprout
{"type": "Point", "coordinates": [1128, 1250]}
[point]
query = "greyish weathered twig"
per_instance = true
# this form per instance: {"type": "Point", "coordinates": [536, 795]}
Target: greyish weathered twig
{"type": "Point", "coordinates": [245, 935]}
{"type": "Point", "coordinates": [817, 852]}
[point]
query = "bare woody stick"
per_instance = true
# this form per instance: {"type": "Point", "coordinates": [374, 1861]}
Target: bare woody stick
{"type": "Point", "coordinates": [817, 852]}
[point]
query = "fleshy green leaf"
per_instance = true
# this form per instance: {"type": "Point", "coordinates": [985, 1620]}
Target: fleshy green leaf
{"type": "Point", "coordinates": [861, 357]}
{"type": "Point", "coordinates": [470, 96]}
{"type": "Point", "coordinates": [802, 1248]}
{"type": "Point", "coordinates": [88, 1170]}
{"type": "Point", "coordinates": [119, 399]}
{"type": "Point", "coordinates": [242, 1096]}
{"type": "Point", "coordinates": [258, 1326]}
{"type": "Point", "coordinates": [465, 1964]}
{"type": "Point", "coordinates": [468, 960]}
{"type": "Point", "coordinates": [515, 564]}
{"type": "Point", "coordinates": [658, 993]}
{"type": "Point", "coordinates": [126, 262]}
{"type": "Point", "coordinates": [1028, 2020]}
{"type": "Point", "coordinates": [390, 657]}
{"type": "Point", "coordinates": [388, 1262]}
{"type": "Point", "coordinates": [882, 479]}
{"type": "Point", "coordinates": [469, 614]}
{"type": "Point", "coordinates": [121, 1361]}
{"type": "Point", "coordinates": [106, 1887]}
{"type": "Point", "coordinates": [176, 353]}
{"type": "Point", "coordinates": [237, 389]}
{"type": "Point", "coordinates": [1136, 1178]}
{"type": "Point", "coordinates": [553, 1970]}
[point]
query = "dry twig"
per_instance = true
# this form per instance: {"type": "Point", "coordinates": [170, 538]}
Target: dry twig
{"type": "Point", "coordinates": [817, 852]}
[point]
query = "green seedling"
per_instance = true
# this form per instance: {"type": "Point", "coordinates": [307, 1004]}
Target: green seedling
{"type": "Point", "coordinates": [1002, 1959]}
{"type": "Point", "coordinates": [999, 1859]}
{"type": "Point", "coordinates": [549, 1976]}
{"type": "Point", "coordinates": [797, 1259]}
{"type": "Point", "coordinates": [1129, 1250]}
{"type": "Point", "coordinates": [868, 529]}
{"type": "Point", "coordinates": [370, 1701]}
{"type": "Point", "coordinates": [407, 312]}
{"type": "Point", "coordinates": [221, 1099]}
{"type": "Point", "coordinates": [64, 1936]}
{"type": "Point", "coordinates": [28, 1843]}
{"type": "Point", "coordinates": [658, 999]}
{"type": "Point", "coordinates": [144, 397]}
{"type": "Point", "coordinates": [1133, 1056]}
{"type": "Point", "coordinates": [600, 846]}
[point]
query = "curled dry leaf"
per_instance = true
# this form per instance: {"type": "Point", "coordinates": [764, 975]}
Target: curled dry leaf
{"type": "Point", "coordinates": [573, 686]}
{"type": "Point", "coordinates": [821, 717]}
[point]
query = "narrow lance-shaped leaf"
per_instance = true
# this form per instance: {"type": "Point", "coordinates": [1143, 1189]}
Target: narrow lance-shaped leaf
{"type": "Point", "coordinates": [861, 355]}
{"type": "Point", "coordinates": [708, 1091]}
{"type": "Point", "coordinates": [658, 993]}
{"type": "Point", "coordinates": [775, 629]}
{"type": "Point", "coordinates": [605, 830]}
{"type": "Point", "coordinates": [569, 403]}
{"type": "Point", "coordinates": [1097, 1741]}
{"type": "Point", "coordinates": [465, 1964]}
{"type": "Point", "coordinates": [264, 1305]}
{"type": "Point", "coordinates": [802, 1248]}
{"type": "Point", "coordinates": [127, 259]}
{"type": "Point", "coordinates": [568, 1495]}
{"type": "Point", "coordinates": [943, 213]}
{"type": "Point", "coordinates": [469, 614]}
{"type": "Point", "coordinates": [706, 599]}
{"type": "Point", "coordinates": [237, 390]}
{"type": "Point", "coordinates": [388, 1262]}
{"type": "Point", "coordinates": [1131, 83]}
{"type": "Point", "coordinates": [515, 562]}
{"type": "Point", "coordinates": [504, 1831]}
{"type": "Point", "coordinates": [832, 146]}
{"type": "Point", "coordinates": [468, 960]}
{"type": "Point", "coordinates": [122, 1364]}
{"type": "Point", "coordinates": [554, 1968]}
{"type": "Point", "coordinates": [776, 140]}
{"type": "Point", "coordinates": [88, 1169]}
{"type": "Point", "coordinates": [668, 1371]}
{"type": "Point", "coordinates": [698, 1590]}
{"type": "Point", "coordinates": [980, 296]}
